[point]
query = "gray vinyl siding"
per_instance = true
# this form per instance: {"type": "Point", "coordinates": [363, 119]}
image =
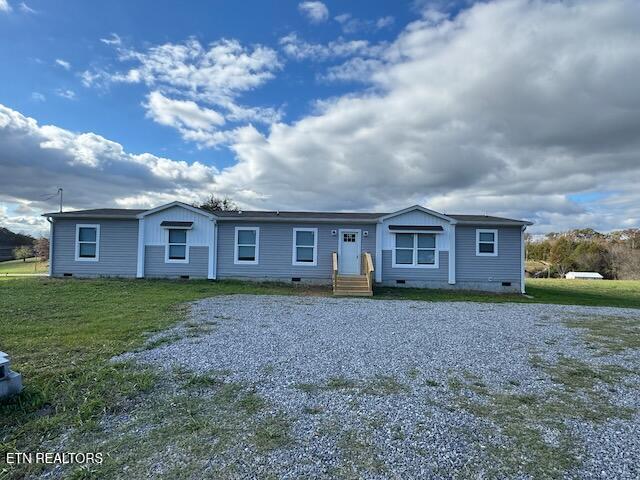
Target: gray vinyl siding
{"type": "Point", "coordinates": [155, 266]}
{"type": "Point", "coordinates": [505, 267]}
{"type": "Point", "coordinates": [275, 250]}
{"type": "Point", "coordinates": [390, 274]}
{"type": "Point", "coordinates": [118, 248]}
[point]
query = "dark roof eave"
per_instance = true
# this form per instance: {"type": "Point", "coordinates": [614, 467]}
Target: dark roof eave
{"type": "Point", "coordinates": [503, 223]}
{"type": "Point", "coordinates": [298, 219]}
{"type": "Point", "coordinates": [71, 215]}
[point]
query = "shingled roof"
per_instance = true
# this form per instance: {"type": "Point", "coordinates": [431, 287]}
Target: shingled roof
{"type": "Point", "coordinates": [97, 213]}
{"type": "Point", "coordinates": [125, 213]}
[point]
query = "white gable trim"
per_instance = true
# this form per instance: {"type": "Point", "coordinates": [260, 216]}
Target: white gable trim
{"type": "Point", "coordinates": [422, 209]}
{"type": "Point", "coordinates": [176, 204]}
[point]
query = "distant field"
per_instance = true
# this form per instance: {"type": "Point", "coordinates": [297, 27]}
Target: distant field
{"type": "Point", "coordinates": [603, 293]}
{"type": "Point", "coordinates": [614, 293]}
{"type": "Point", "coordinates": [32, 265]}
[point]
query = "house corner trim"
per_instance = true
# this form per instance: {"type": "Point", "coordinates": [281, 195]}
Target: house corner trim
{"type": "Point", "coordinates": [140, 266]}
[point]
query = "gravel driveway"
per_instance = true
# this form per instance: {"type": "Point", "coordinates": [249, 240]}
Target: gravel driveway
{"type": "Point", "coordinates": [403, 389]}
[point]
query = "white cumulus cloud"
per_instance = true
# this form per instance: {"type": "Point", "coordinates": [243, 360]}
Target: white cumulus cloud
{"type": "Point", "coordinates": [508, 107]}
{"type": "Point", "coordinates": [63, 63]}
{"type": "Point", "coordinates": [316, 12]}
{"type": "Point", "coordinates": [197, 77]}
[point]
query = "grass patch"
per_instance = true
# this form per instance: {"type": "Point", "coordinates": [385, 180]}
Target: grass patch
{"type": "Point", "coordinates": [272, 433]}
{"type": "Point", "coordinates": [528, 421]}
{"type": "Point", "coordinates": [360, 456]}
{"type": "Point", "coordinates": [377, 385]}
{"type": "Point", "coordinates": [31, 265]}
{"type": "Point", "coordinates": [340, 383]}
{"type": "Point", "coordinates": [608, 334]}
{"type": "Point", "coordinates": [313, 410]}
{"type": "Point", "coordinates": [612, 293]}
{"type": "Point", "coordinates": [61, 334]}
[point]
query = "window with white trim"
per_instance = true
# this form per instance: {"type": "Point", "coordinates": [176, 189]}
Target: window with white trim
{"type": "Point", "coordinates": [177, 250]}
{"type": "Point", "coordinates": [247, 245]}
{"type": "Point", "coordinates": [305, 246]}
{"type": "Point", "coordinates": [87, 242]}
{"type": "Point", "coordinates": [415, 250]}
{"type": "Point", "coordinates": [486, 243]}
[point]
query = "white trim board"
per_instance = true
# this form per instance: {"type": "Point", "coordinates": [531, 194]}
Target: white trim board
{"type": "Point", "coordinates": [176, 204]}
{"type": "Point", "coordinates": [423, 210]}
{"type": "Point", "coordinates": [141, 252]}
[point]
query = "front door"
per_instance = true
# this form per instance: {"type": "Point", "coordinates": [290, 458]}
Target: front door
{"type": "Point", "coordinates": [349, 252]}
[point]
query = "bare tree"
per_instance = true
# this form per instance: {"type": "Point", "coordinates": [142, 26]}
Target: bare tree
{"type": "Point", "coordinates": [22, 253]}
{"type": "Point", "coordinates": [216, 204]}
{"type": "Point", "coordinates": [625, 262]}
{"type": "Point", "coordinates": [41, 248]}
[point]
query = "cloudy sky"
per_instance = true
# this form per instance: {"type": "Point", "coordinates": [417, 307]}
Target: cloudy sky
{"type": "Point", "coordinates": [520, 108]}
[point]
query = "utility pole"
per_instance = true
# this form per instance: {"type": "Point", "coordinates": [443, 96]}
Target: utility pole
{"type": "Point", "coordinates": [60, 192]}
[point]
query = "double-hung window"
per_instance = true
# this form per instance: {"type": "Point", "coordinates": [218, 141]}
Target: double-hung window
{"type": "Point", "coordinates": [247, 245]}
{"type": "Point", "coordinates": [87, 242]}
{"type": "Point", "coordinates": [177, 250]}
{"type": "Point", "coordinates": [486, 243]}
{"type": "Point", "coordinates": [415, 250]}
{"type": "Point", "coordinates": [305, 246]}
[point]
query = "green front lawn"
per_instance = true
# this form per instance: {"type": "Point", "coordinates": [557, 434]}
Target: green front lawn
{"type": "Point", "coordinates": [603, 293]}
{"type": "Point", "coordinates": [60, 335]}
{"type": "Point", "coordinates": [31, 265]}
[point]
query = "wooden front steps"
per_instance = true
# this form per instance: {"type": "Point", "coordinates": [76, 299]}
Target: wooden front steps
{"type": "Point", "coordinates": [352, 286]}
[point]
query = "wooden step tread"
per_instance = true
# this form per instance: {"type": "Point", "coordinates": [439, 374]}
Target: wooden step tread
{"type": "Point", "coordinates": [343, 293]}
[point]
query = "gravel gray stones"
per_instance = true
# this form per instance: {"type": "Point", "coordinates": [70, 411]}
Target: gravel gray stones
{"type": "Point", "coordinates": [369, 385]}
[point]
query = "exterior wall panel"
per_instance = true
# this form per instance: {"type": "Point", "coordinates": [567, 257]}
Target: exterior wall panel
{"type": "Point", "coordinates": [200, 235]}
{"type": "Point", "coordinates": [505, 267]}
{"type": "Point", "coordinates": [415, 218]}
{"type": "Point", "coordinates": [155, 266]}
{"type": "Point", "coordinates": [118, 248]}
{"type": "Point", "coordinates": [276, 249]}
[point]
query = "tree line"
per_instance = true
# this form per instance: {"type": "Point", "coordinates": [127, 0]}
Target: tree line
{"type": "Point", "coordinates": [614, 255]}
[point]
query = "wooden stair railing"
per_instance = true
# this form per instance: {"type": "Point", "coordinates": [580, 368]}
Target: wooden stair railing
{"type": "Point", "coordinates": [367, 269]}
{"type": "Point", "coordinates": [354, 285]}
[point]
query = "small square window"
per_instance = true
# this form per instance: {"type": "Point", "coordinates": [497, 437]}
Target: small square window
{"type": "Point", "coordinates": [404, 240]}
{"type": "Point", "coordinates": [486, 243]}
{"type": "Point", "coordinates": [87, 250]}
{"type": "Point", "coordinates": [426, 257]}
{"type": "Point", "coordinates": [486, 236]}
{"type": "Point", "coordinates": [485, 247]}
{"type": "Point", "coordinates": [177, 236]}
{"type": "Point", "coordinates": [177, 252]}
{"type": "Point", "coordinates": [404, 257]}
{"type": "Point", "coordinates": [246, 253]}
